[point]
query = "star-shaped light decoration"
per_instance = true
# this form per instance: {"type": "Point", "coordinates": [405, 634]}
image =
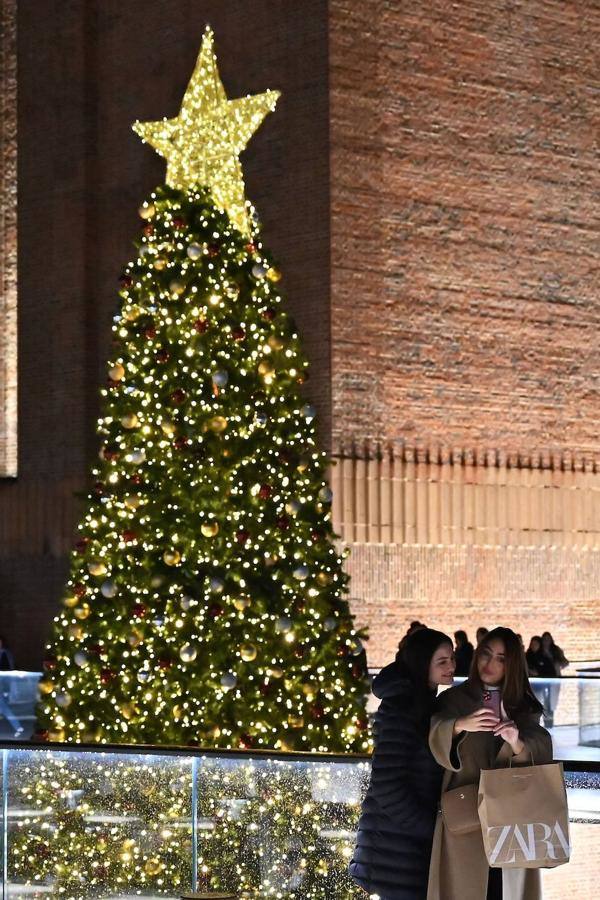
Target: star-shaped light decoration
{"type": "Point", "coordinates": [202, 145]}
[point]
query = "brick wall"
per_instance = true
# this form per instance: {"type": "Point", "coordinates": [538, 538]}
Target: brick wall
{"type": "Point", "coordinates": [464, 224]}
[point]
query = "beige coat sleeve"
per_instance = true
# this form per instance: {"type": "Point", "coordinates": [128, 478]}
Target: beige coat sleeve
{"type": "Point", "coordinates": [444, 746]}
{"type": "Point", "coordinates": [537, 748]}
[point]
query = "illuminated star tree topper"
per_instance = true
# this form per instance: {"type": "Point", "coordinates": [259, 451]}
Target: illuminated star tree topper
{"type": "Point", "coordinates": [203, 143]}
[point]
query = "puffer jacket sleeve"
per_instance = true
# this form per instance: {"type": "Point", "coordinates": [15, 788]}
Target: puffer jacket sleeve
{"type": "Point", "coordinates": [394, 777]}
{"type": "Point", "coordinates": [442, 741]}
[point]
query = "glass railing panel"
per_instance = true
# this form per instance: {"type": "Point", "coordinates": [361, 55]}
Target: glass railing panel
{"type": "Point", "coordinates": [88, 825]}
{"type": "Point", "coordinates": [278, 828]}
{"type": "Point", "coordinates": [18, 698]}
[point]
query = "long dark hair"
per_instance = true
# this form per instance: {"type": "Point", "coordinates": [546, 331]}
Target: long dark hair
{"type": "Point", "coordinates": [414, 660]}
{"type": "Point", "coordinates": [517, 694]}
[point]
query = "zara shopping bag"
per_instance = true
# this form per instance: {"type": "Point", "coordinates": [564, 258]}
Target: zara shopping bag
{"type": "Point", "coordinates": [524, 816]}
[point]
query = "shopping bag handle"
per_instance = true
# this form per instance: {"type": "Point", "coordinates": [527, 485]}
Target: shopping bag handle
{"type": "Point", "coordinates": [512, 757]}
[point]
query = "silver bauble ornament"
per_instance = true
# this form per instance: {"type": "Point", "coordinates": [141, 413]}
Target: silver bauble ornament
{"type": "Point", "coordinates": [188, 653]}
{"type": "Point", "coordinates": [228, 681]}
{"type": "Point", "coordinates": [325, 494]}
{"type": "Point", "coordinates": [220, 378]}
{"type": "Point", "coordinates": [356, 648]}
{"type": "Point", "coordinates": [137, 456]}
{"type": "Point", "coordinates": [194, 251]}
{"type": "Point", "coordinates": [108, 589]}
{"type": "Point", "coordinates": [63, 699]}
{"type": "Point", "coordinates": [283, 624]}
{"type": "Point", "coordinates": [259, 271]}
{"type": "Point", "coordinates": [261, 418]}
{"type": "Point", "coordinates": [330, 623]}
{"type": "Point", "coordinates": [216, 584]}
{"type": "Point", "coordinates": [186, 602]}
{"type": "Point", "coordinates": [143, 676]}
{"type": "Point", "coordinates": [80, 659]}
{"type": "Point", "coordinates": [301, 573]}
{"type": "Point", "coordinates": [309, 412]}
{"type": "Point", "coordinates": [293, 507]}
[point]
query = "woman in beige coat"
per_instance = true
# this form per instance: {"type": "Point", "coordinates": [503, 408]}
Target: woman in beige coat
{"type": "Point", "coordinates": [491, 718]}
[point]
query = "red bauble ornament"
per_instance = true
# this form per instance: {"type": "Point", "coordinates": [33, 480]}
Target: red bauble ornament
{"type": "Point", "coordinates": [215, 610]}
{"type": "Point", "coordinates": [316, 536]}
{"type": "Point", "coordinates": [201, 326]}
{"type": "Point", "coordinates": [106, 676]}
{"type": "Point", "coordinates": [299, 652]}
{"type": "Point", "coordinates": [181, 442]}
{"type": "Point", "coordinates": [246, 741]}
{"type": "Point", "coordinates": [81, 545]}
{"type": "Point", "coordinates": [178, 396]}
{"type": "Point", "coordinates": [41, 735]}
{"type": "Point", "coordinates": [136, 479]}
{"type": "Point", "coordinates": [162, 356]}
{"type": "Point", "coordinates": [165, 663]}
{"type": "Point", "coordinates": [269, 313]}
{"type": "Point", "coordinates": [214, 249]}
{"type": "Point", "coordinates": [139, 610]}
{"type": "Point", "coordinates": [265, 689]}
{"type": "Point", "coordinates": [283, 523]}
{"type": "Point", "coordinates": [362, 724]}
{"type": "Point", "coordinates": [250, 247]}
{"type": "Point", "coordinates": [99, 488]}
{"type": "Point", "coordinates": [50, 664]}
{"type": "Point", "coordinates": [96, 649]}
{"type": "Point", "coordinates": [238, 334]}
{"type": "Point", "coordinates": [265, 491]}
{"type": "Point", "coordinates": [150, 332]}
{"type": "Point", "coordinates": [357, 670]}
{"type": "Point", "coordinates": [316, 711]}
{"type": "Point", "coordinates": [79, 589]}
{"type": "Point", "coordinates": [242, 536]}
{"type": "Point", "coordinates": [148, 230]}
{"type": "Point", "coordinates": [128, 536]}
{"type": "Point", "coordinates": [178, 222]}
{"type": "Point", "coordinates": [126, 281]}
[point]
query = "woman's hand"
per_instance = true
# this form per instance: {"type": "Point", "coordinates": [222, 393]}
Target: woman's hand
{"type": "Point", "coordinates": [510, 733]}
{"type": "Point", "coordinates": [481, 720]}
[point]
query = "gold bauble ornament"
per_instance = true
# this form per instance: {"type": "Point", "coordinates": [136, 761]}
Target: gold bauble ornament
{"type": "Point", "coordinates": [70, 602]}
{"type": "Point", "coordinates": [273, 274]}
{"type": "Point", "coordinates": [58, 735]}
{"type": "Point", "coordinates": [248, 652]}
{"type": "Point", "coordinates": [134, 638]}
{"type": "Point", "coordinates": [295, 721]}
{"type": "Point", "coordinates": [177, 713]}
{"type": "Point", "coordinates": [303, 464]}
{"type": "Point", "coordinates": [132, 501]}
{"type": "Point", "coordinates": [130, 420]}
{"type": "Point", "coordinates": [132, 313]}
{"type": "Point", "coordinates": [76, 632]}
{"type": "Point", "coordinates": [168, 427]}
{"type": "Point", "coordinates": [152, 866]}
{"type": "Point", "coordinates": [275, 342]}
{"type": "Point", "coordinates": [209, 529]}
{"type": "Point", "coordinates": [160, 263]}
{"type": "Point", "coordinates": [82, 612]}
{"type": "Point", "coordinates": [203, 143]}
{"type": "Point", "coordinates": [324, 578]}
{"type": "Point", "coordinates": [45, 687]}
{"type": "Point", "coordinates": [266, 369]}
{"type": "Point", "coordinates": [172, 557]}
{"type": "Point", "coordinates": [275, 672]}
{"type": "Point", "coordinates": [177, 287]}
{"type": "Point", "coordinates": [146, 211]}
{"type": "Point", "coordinates": [128, 710]}
{"type": "Point", "coordinates": [117, 372]}
{"type": "Point", "coordinates": [242, 603]}
{"type": "Point", "coordinates": [218, 424]}
{"type": "Point", "coordinates": [96, 568]}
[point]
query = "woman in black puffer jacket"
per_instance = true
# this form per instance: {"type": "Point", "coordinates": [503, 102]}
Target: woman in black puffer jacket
{"type": "Point", "coordinates": [395, 831]}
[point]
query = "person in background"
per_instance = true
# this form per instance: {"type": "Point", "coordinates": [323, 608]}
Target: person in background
{"type": "Point", "coordinates": [463, 653]}
{"type": "Point", "coordinates": [414, 626]}
{"type": "Point", "coordinates": [7, 664]}
{"type": "Point", "coordinates": [395, 831]}
{"type": "Point", "coordinates": [555, 661]}
{"type": "Point", "coordinates": [480, 634]}
{"type": "Point", "coordinates": [539, 666]}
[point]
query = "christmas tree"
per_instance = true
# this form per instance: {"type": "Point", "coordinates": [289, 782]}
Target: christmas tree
{"type": "Point", "coordinates": [205, 602]}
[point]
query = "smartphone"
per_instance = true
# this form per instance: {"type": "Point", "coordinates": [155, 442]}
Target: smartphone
{"type": "Point", "coordinates": [491, 700]}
